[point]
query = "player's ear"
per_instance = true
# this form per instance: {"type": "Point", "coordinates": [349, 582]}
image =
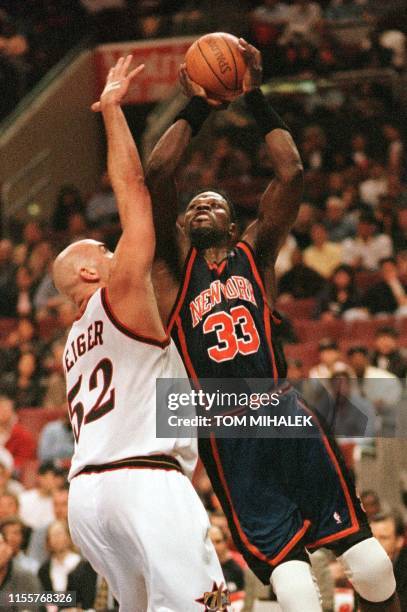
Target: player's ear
{"type": "Point", "coordinates": [89, 275]}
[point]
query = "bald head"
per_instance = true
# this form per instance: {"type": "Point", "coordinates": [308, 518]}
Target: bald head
{"type": "Point", "coordinates": [82, 267]}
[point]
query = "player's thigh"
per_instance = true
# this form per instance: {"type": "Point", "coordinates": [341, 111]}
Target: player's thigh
{"type": "Point", "coordinates": [111, 561]}
{"type": "Point", "coordinates": [172, 526]}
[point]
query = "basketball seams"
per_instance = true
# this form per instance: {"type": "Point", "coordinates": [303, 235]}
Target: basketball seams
{"type": "Point", "coordinates": [234, 61]}
{"type": "Point", "coordinates": [212, 70]}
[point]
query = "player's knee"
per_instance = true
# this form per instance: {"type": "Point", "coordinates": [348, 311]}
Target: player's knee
{"type": "Point", "coordinates": [370, 570]}
{"type": "Point", "coordinates": [305, 596]}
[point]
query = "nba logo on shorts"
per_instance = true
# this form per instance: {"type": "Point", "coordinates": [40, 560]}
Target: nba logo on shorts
{"type": "Point", "coordinates": [216, 600]}
{"type": "Point", "coordinates": [337, 518]}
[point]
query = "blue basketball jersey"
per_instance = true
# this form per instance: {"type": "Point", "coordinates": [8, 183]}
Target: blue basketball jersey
{"type": "Point", "coordinates": [222, 322]}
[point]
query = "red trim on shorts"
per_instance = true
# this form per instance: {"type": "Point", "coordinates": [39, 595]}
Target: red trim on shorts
{"type": "Point", "coordinates": [355, 523]}
{"type": "Point", "coordinates": [126, 330]}
{"type": "Point", "coordinates": [267, 313]}
{"type": "Point", "coordinates": [251, 547]}
{"type": "Point", "coordinates": [183, 289]}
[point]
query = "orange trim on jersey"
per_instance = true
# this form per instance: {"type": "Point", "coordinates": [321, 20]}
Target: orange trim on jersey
{"type": "Point", "coordinates": [180, 299]}
{"type": "Point", "coordinates": [251, 547]}
{"type": "Point", "coordinates": [267, 310]}
{"type": "Point", "coordinates": [184, 349]}
{"type": "Point", "coordinates": [217, 267]}
{"type": "Point", "coordinates": [355, 523]}
{"type": "Point", "coordinates": [161, 343]}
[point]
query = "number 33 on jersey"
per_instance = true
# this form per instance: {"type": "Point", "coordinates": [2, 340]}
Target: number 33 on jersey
{"type": "Point", "coordinates": [221, 322]}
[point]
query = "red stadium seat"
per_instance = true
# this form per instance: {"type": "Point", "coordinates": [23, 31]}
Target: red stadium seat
{"type": "Point", "coordinates": [297, 309]}
{"type": "Point", "coordinates": [307, 352]}
{"type": "Point", "coordinates": [363, 332]}
{"type": "Point", "coordinates": [34, 419]}
{"type": "Point", "coordinates": [365, 279]}
{"type": "Point", "coordinates": [7, 326]}
{"type": "Point", "coordinates": [29, 472]}
{"type": "Point", "coordinates": [308, 330]}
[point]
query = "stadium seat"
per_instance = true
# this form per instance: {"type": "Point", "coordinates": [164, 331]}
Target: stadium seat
{"type": "Point", "coordinates": [308, 330]}
{"type": "Point", "coordinates": [297, 309]}
{"type": "Point", "coordinates": [307, 352]}
{"type": "Point", "coordinates": [6, 326]}
{"type": "Point", "coordinates": [34, 419]}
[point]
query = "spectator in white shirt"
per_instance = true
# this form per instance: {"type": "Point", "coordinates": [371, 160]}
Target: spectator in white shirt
{"type": "Point", "coordinates": [36, 507]}
{"type": "Point", "coordinates": [62, 559]}
{"type": "Point", "coordinates": [367, 249]}
{"type": "Point", "coordinates": [375, 186]}
{"type": "Point", "coordinates": [380, 387]}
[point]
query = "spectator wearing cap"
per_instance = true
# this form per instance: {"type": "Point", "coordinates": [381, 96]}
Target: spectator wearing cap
{"type": "Point", "coordinates": [322, 256]}
{"type": "Point", "coordinates": [380, 387]}
{"type": "Point", "coordinates": [367, 249]}
{"type": "Point", "coordinates": [14, 532]}
{"type": "Point", "coordinates": [389, 529]}
{"type": "Point", "coordinates": [329, 357]}
{"type": "Point", "coordinates": [16, 439]}
{"type": "Point", "coordinates": [388, 296]}
{"type": "Point", "coordinates": [36, 506]}
{"type": "Point", "coordinates": [6, 470]}
{"type": "Point", "coordinates": [387, 354]}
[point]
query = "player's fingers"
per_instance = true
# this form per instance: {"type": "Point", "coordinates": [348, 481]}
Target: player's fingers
{"type": "Point", "coordinates": [136, 71]}
{"type": "Point", "coordinates": [117, 67]}
{"type": "Point", "coordinates": [95, 107]}
{"type": "Point", "coordinates": [126, 64]}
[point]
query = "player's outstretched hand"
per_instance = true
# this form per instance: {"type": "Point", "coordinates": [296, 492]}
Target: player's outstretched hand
{"type": "Point", "coordinates": [190, 88]}
{"type": "Point", "coordinates": [254, 72]}
{"type": "Point", "coordinates": [118, 83]}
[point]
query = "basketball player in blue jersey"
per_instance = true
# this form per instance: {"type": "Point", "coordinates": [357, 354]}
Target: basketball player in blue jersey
{"type": "Point", "coordinates": [281, 496]}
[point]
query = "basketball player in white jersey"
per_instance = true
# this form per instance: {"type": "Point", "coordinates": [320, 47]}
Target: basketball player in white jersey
{"type": "Point", "coordinates": [132, 511]}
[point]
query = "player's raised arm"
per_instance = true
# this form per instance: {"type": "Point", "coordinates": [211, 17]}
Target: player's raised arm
{"type": "Point", "coordinates": [280, 202]}
{"type": "Point", "coordinates": [129, 286]}
{"type": "Point", "coordinates": [165, 159]}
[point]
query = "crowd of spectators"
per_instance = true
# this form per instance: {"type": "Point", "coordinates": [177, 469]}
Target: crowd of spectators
{"type": "Point", "coordinates": [295, 37]}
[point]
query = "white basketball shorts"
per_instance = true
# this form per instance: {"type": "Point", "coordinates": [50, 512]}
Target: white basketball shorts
{"type": "Point", "coordinates": [146, 532]}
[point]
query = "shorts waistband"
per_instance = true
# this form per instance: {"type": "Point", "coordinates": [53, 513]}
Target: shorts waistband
{"type": "Point", "coordinates": [149, 462]}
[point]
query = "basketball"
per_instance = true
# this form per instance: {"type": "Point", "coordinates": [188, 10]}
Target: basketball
{"type": "Point", "coordinates": [215, 62]}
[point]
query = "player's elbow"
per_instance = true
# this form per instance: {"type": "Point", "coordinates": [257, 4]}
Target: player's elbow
{"type": "Point", "coordinates": [158, 168]}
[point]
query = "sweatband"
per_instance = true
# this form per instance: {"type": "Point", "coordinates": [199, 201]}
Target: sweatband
{"type": "Point", "coordinates": [266, 117]}
{"type": "Point", "coordinates": [195, 113]}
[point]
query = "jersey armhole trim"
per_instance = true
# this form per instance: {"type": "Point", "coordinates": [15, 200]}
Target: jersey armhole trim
{"type": "Point", "coordinates": [161, 343]}
{"type": "Point", "coordinates": [183, 287]}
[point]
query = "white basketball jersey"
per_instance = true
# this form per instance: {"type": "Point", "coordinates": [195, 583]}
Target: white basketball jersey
{"type": "Point", "coordinates": [111, 387]}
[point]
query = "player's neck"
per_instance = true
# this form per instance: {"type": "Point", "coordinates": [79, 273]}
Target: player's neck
{"type": "Point", "coordinates": [216, 254]}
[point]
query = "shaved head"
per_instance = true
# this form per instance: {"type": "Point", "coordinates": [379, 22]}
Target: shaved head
{"type": "Point", "coordinates": [83, 265]}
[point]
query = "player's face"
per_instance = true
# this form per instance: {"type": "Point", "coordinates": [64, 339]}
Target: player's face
{"type": "Point", "coordinates": [207, 220]}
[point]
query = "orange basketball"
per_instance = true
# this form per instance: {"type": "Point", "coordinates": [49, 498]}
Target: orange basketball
{"type": "Point", "coordinates": [215, 62]}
